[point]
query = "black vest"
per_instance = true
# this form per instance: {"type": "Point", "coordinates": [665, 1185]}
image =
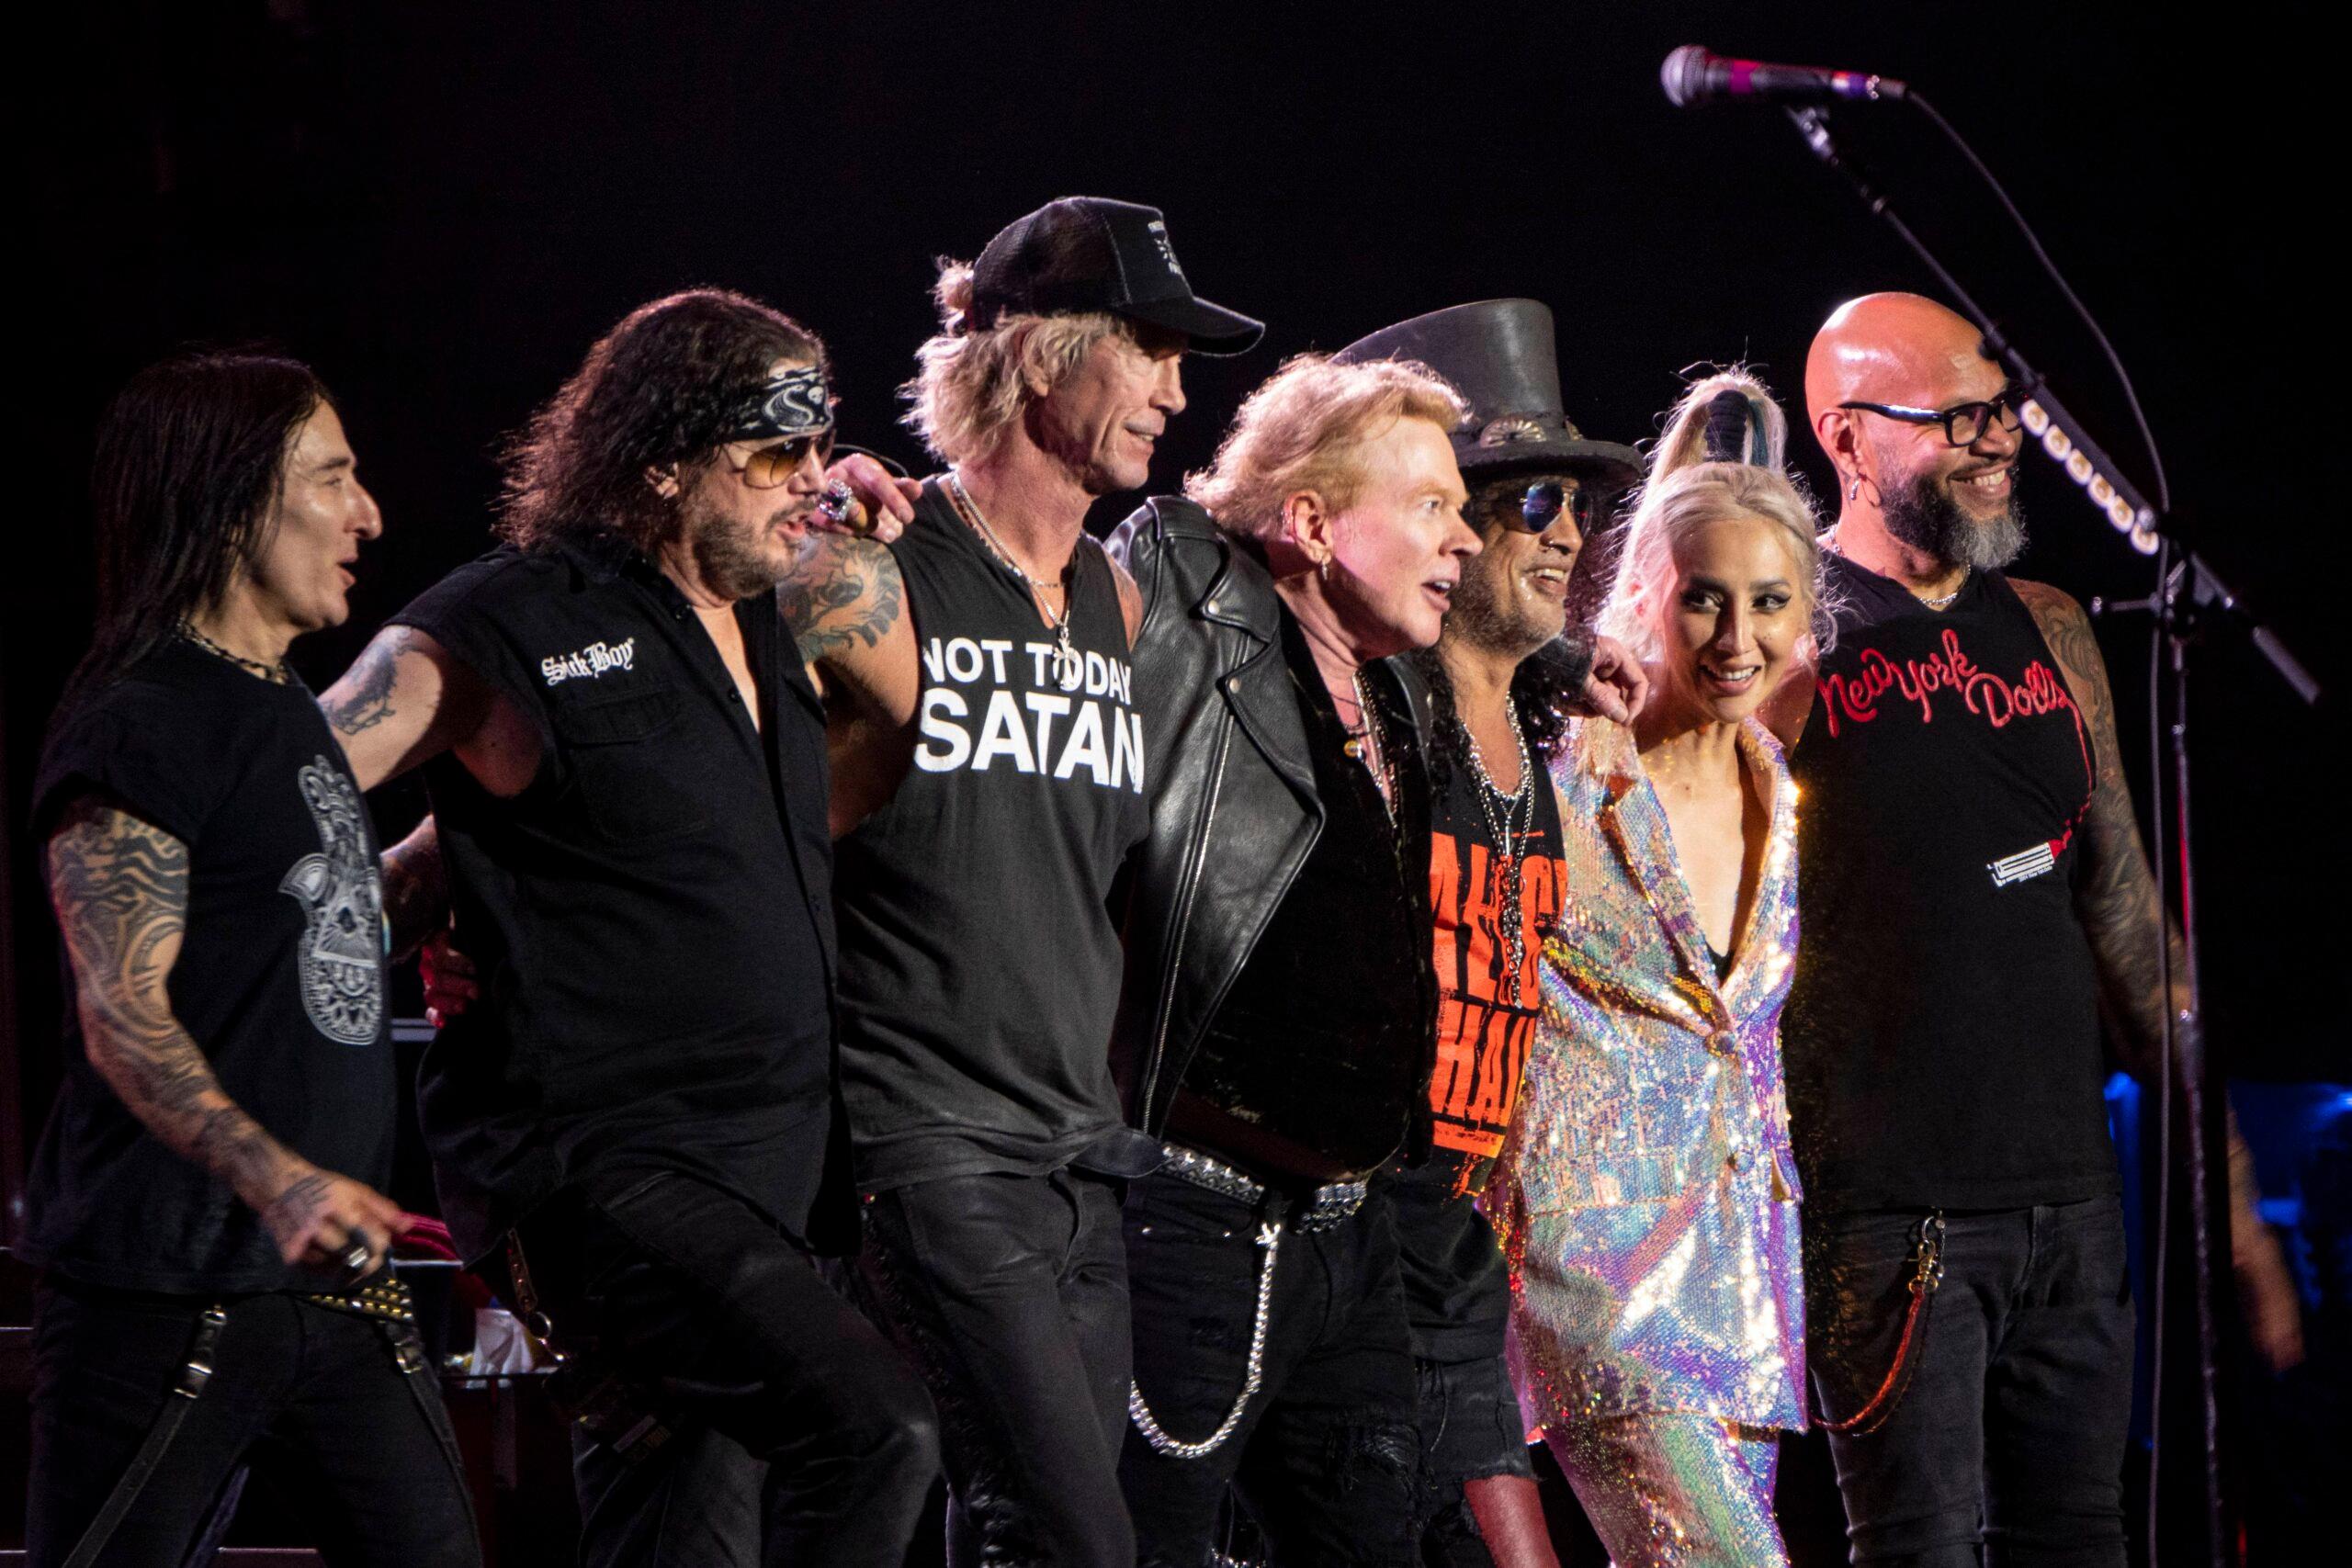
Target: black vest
{"type": "Point", "coordinates": [980, 965]}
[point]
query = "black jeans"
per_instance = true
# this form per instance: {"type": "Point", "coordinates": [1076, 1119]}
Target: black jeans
{"type": "Point", "coordinates": [2012, 1431]}
{"type": "Point", "coordinates": [728, 1325]}
{"type": "Point", "coordinates": [1326, 1456]}
{"type": "Point", "coordinates": [1011, 1292]}
{"type": "Point", "coordinates": [309, 1393]}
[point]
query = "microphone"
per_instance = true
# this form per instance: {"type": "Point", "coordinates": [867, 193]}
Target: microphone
{"type": "Point", "coordinates": [1691, 76]}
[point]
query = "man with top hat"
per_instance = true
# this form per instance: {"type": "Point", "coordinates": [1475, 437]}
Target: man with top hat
{"type": "Point", "coordinates": [988, 767]}
{"type": "Point", "coordinates": [1492, 696]}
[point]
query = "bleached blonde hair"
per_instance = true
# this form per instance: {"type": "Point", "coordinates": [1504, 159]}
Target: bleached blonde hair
{"type": "Point", "coordinates": [1686, 490]}
{"type": "Point", "coordinates": [974, 383]}
{"type": "Point", "coordinates": [1300, 431]}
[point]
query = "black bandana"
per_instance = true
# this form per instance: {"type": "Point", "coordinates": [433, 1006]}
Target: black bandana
{"type": "Point", "coordinates": [798, 403]}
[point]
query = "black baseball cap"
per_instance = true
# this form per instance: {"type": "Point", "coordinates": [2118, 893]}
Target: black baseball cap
{"type": "Point", "coordinates": [1083, 252]}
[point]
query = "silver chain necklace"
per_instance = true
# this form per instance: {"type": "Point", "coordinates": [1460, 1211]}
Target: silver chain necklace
{"type": "Point", "coordinates": [1369, 745]}
{"type": "Point", "coordinates": [1508, 830]}
{"type": "Point", "coordinates": [1069, 669]}
{"type": "Point", "coordinates": [277, 675]}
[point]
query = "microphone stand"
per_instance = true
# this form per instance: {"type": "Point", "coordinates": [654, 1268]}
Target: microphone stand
{"type": "Point", "coordinates": [2189, 594]}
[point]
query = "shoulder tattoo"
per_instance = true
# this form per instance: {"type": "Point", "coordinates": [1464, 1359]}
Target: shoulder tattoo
{"type": "Point", "coordinates": [848, 598]}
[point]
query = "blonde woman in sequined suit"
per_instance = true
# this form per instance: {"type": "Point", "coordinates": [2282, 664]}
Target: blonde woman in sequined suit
{"type": "Point", "coordinates": [1646, 1193]}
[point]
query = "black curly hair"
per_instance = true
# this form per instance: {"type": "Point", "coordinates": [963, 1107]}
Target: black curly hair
{"type": "Point", "coordinates": [663, 386]}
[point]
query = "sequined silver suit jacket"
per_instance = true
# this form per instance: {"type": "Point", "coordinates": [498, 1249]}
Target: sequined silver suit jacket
{"type": "Point", "coordinates": [1646, 1191]}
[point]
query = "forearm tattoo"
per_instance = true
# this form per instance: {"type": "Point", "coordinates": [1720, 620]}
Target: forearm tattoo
{"type": "Point", "coordinates": [2116, 896]}
{"type": "Point", "coordinates": [846, 594]}
{"type": "Point", "coordinates": [119, 887]}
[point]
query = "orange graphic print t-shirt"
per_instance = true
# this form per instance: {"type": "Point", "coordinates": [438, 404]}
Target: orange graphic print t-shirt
{"type": "Point", "coordinates": [1486, 1016]}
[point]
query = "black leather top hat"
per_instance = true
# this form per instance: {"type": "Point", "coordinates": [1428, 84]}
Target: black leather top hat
{"type": "Point", "coordinates": [1084, 252]}
{"type": "Point", "coordinates": [1500, 355]}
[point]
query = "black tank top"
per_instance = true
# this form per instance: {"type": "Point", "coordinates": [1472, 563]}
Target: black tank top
{"type": "Point", "coordinates": [1942, 1039]}
{"type": "Point", "coordinates": [978, 963]}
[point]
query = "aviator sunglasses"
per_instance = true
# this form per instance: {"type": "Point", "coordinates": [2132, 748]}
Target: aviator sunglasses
{"type": "Point", "coordinates": [1543, 502]}
{"type": "Point", "coordinates": [775, 464]}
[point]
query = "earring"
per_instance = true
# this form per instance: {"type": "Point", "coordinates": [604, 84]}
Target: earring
{"type": "Point", "coordinates": [1854, 488]}
{"type": "Point", "coordinates": [1323, 570]}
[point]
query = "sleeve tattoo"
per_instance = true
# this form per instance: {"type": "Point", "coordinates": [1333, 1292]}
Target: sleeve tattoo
{"type": "Point", "coordinates": [2115, 895]}
{"type": "Point", "coordinates": [847, 595]}
{"type": "Point", "coordinates": [119, 886]}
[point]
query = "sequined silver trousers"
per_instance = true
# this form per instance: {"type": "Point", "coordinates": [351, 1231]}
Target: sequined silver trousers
{"type": "Point", "coordinates": [1675, 1491]}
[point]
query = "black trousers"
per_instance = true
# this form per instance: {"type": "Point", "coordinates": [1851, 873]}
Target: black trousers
{"type": "Point", "coordinates": [2011, 1432]}
{"type": "Point", "coordinates": [728, 1324]}
{"type": "Point", "coordinates": [1326, 1455]}
{"type": "Point", "coordinates": [1011, 1292]}
{"type": "Point", "coordinates": [309, 1393]}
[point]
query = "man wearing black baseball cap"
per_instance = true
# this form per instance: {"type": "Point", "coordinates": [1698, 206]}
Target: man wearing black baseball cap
{"type": "Point", "coordinates": [988, 783]}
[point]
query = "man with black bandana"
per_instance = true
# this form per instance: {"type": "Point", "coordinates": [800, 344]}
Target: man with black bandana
{"type": "Point", "coordinates": [627, 769]}
{"type": "Point", "coordinates": [1493, 696]}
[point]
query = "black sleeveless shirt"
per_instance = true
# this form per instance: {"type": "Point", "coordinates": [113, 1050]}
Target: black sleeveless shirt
{"type": "Point", "coordinates": [1942, 1039]}
{"type": "Point", "coordinates": [980, 965]}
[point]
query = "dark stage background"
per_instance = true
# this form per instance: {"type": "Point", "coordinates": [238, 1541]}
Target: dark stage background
{"type": "Point", "coordinates": [441, 204]}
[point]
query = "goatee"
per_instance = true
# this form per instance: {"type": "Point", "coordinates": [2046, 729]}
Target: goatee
{"type": "Point", "coordinates": [1929, 519]}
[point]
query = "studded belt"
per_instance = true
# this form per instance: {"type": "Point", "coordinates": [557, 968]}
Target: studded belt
{"type": "Point", "coordinates": [1324, 1207]}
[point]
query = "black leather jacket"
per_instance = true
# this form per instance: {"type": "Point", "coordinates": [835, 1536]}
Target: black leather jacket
{"type": "Point", "coordinates": [1233, 812]}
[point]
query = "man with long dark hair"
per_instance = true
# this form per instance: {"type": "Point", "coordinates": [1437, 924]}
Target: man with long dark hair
{"type": "Point", "coordinates": [207, 1202]}
{"type": "Point", "coordinates": [628, 768]}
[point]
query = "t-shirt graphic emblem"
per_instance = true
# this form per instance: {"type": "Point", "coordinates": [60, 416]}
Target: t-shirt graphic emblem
{"type": "Point", "coordinates": [343, 944]}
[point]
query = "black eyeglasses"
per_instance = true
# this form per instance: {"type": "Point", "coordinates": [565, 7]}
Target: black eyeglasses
{"type": "Point", "coordinates": [773, 465]}
{"type": "Point", "coordinates": [1964, 424]}
{"type": "Point", "coordinates": [1543, 502]}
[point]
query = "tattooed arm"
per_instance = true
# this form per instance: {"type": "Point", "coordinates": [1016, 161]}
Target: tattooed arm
{"type": "Point", "coordinates": [2115, 895]}
{"type": "Point", "coordinates": [2117, 901]}
{"type": "Point", "coordinates": [120, 887]}
{"type": "Point", "coordinates": [845, 607]}
{"type": "Point", "coordinates": [407, 699]}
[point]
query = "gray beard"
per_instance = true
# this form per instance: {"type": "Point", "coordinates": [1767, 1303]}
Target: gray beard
{"type": "Point", "coordinates": [1927, 518]}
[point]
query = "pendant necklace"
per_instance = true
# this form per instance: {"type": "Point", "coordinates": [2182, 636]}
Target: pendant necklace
{"type": "Point", "coordinates": [1509, 829]}
{"type": "Point", "coordinates": [1069, 669]}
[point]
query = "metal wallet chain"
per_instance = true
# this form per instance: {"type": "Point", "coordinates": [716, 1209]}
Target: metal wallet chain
{"type": "Point", "coordinates": [1269, 1237]}
{"type": "Point", "coordinates": [1926, 1273]}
